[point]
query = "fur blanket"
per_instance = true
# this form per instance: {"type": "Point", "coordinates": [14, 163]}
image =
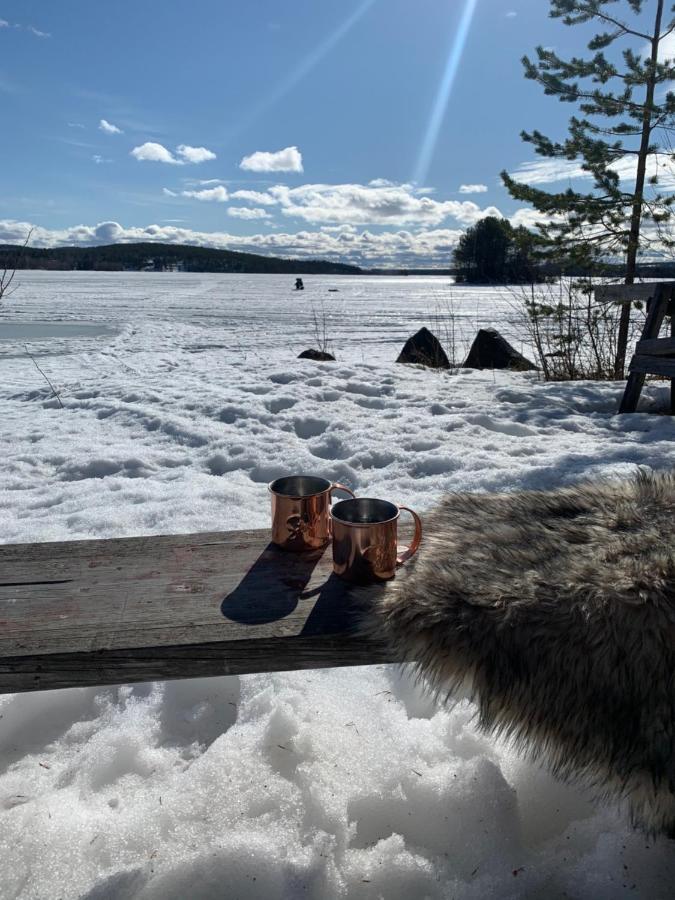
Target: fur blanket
{"type": "Point", "coordinates": [557, 610]}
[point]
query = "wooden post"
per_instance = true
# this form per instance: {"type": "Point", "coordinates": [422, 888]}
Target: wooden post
{"type": "Point", "coordinates": [656, 312]}
{"type": "Point", "coordinates": [671, 310]}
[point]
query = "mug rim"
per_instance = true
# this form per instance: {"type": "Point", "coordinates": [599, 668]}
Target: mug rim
{"type": "Point", "coordinates": [270, 487]}
{"type": "Point", "coordinates": [331, 513]}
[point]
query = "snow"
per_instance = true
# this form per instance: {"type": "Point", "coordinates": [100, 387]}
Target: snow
{"type": "Point", "coordinates": [182, 399]}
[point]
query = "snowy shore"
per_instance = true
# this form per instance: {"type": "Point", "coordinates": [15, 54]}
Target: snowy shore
{"type": "Point", "coordinates": [345, 783]}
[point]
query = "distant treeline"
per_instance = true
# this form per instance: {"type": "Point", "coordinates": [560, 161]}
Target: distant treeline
{"type": "Point", "coordinates": [148, 257]}
{"type": "Point", "coordinates": [494, 252]}
{"type": "Point", "coordinates": [483, 263]}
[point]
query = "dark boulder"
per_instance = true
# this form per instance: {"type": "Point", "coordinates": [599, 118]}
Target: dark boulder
{"type": "Point", "coordinates": [491, 351]}
{"type": "Point", "coordinates": [424, 349]}
{"type": "Point", "coordinates": [317, 355]}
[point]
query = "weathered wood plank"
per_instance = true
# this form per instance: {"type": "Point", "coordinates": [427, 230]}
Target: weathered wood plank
{"type": "Point", "coordinates": [653, 365]}
{"type": "Point", "coordinates": [171, 606]}
{"type": "Point", "coordinates": [104, 667]}
{"type": "Point", "coordinates": [627, 293]}
{"type": "Point", "coordinates": [154, 591]}
{"type": "Point", "coordinates": [656, 347]}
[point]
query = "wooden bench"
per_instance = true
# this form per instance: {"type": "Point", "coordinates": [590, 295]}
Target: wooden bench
{"type": "Point", "coordinates": [654, 355]}
{"type": "Point", "coordinates": [172, 606]}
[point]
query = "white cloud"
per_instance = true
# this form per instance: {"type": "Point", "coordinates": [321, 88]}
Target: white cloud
{"type": "Point", "coordinates": [152, 152]}
{"type": "Point", "coordinates": [109, 128]}
{"type": "Point", "coordinates": [194, 154]}
{"type": "Point", "coordinates": [377, 203]}
{"type": "Point", "coordinates": [98, 159]}
{"type": "Point", "coordinates": [217, 194]}
{"type": "Point", "coordinates": [245, 212]}
{"type": "Point", "coordinates": [287, 160]}
{"type": "Point", "coordinates": [168, 193]}
{"type": "Point", "coordinates": [472, 188]}
{"type": "Point", "coordinates": [666, 48]}
{"type": "Point", "coordinates": [33, 30]}
{"type": "Point", "coordinates": [549, 171]}
{"type": "Point", "coordinates": [346, 244]}
{"type": "Point", "coordinates": [74, 125]}
{"type": "Point", "coordinates": [530, 218]}
{"type": "Point", "coordinates": [261, 197]}
{"type": "Point", "coordinates": [358, 204]}
{"type": "Point", "coordinates": [511, 14]}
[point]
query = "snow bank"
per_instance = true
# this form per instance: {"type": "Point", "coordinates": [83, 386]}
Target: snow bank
{"type": "Point", "coordinates": [344, 783]}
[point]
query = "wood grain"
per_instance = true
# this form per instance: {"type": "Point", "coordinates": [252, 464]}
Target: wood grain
{"type": "Point", "coordinates": [664, 346]}
{"type": "Point", "coordinates": [653, 365]}
{"type": "Point", "coordinates": [170, 606]}
{"type": "Point", "coordinates": [626, 293]}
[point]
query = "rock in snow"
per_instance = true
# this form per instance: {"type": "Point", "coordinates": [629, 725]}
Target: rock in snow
{"type": "Point", "coordinates": [425, 349]}
{"type": "Point", "coordinates": [317, 355]}
{"type": "Point", "coordinates": [491, 351]}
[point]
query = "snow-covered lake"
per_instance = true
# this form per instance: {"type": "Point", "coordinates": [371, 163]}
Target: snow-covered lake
{"type": "Point", "coordinates": [182, 398]}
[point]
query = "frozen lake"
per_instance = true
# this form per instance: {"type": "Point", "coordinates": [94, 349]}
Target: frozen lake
{"type": "Point", "coordinates": [343, 783]}
{"type": "Point", "coordinates": [366, 318]}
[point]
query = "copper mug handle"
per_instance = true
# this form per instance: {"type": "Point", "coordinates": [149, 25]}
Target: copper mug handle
{"type": "Point", "coordinates": [405, 555]}
{"type": "Point", "coordinates": [338, 486]}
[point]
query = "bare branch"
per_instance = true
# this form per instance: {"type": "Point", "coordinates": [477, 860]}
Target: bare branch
{"type": "Point", "coordinates": [54, 391]}
{"type": "Point", "coordinates": [8, 273]}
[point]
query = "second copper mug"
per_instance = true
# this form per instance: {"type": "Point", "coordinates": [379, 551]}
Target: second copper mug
{"type": "Point", "coordinates": [300, 505]}
{"type": "Point", "coordinates": [365, 536]}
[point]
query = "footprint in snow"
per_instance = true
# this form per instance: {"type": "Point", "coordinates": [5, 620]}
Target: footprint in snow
{"type": "Point", "coordinates": [309, 428]}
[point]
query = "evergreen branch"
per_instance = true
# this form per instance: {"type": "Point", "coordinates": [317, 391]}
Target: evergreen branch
{"type": "Point", "coordinates": [623, 28]}
{"type": "Point", "coordinates": [575, 12]}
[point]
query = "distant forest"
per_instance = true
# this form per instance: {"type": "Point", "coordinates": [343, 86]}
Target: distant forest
{"type": "Point", "coordinates": [150, 257]}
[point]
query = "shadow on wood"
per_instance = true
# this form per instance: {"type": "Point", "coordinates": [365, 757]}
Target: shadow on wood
{"type": "Point", "coordinates": [170, 606]}
{"type": "Point", "coordinates": [278, 581]}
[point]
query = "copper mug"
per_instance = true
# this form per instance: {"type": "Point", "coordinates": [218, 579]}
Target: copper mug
{"type": "Point", "coordinates": [300, 505]}
{"type": "Point", "coordinates": [365, 535]}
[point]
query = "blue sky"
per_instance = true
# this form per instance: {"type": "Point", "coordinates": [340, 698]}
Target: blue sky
{"type": "Point", "coordinates": [308, 127]}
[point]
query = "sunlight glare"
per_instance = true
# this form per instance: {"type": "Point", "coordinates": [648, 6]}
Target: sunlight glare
{"type": "Point", "coordinates": [441, 102]}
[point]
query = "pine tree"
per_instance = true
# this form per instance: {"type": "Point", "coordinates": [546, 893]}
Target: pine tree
{"type": "Point", "coordinates": [618, 100]}
{"type": "Point", "coordinates": [493, 252]}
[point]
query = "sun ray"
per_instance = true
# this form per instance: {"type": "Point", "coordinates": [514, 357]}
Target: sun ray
{"type": "Point", "coordinates": [443, 96]}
